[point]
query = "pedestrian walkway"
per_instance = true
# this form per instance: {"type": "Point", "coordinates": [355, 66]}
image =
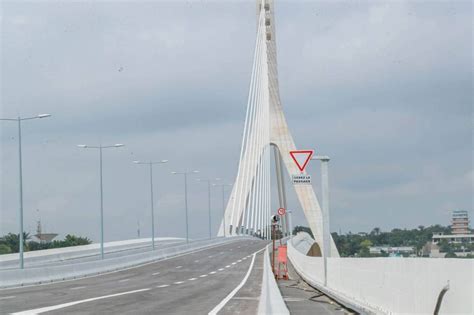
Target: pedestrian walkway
{"type": "Point", "coordinates": [301, 298]}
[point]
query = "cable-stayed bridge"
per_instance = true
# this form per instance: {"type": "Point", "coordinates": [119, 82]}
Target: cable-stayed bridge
{"type": "Point", "coordinates": [231, 273]}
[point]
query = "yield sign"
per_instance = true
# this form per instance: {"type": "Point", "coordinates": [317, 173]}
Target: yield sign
{"type": "Point", "coordinates": [301, 158]}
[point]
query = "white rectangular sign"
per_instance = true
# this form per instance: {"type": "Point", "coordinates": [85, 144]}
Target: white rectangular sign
{"type": "Point", "coordinates": [301, 179]}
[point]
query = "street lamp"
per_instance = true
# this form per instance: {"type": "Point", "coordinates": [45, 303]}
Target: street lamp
{"type": "Point", "coordinates": [208, 181]}
{"type": "Point", "coordinates": [325, 200]}
{"type": "Point", "coordinates": [150, 164]}
{"type": "Point", "coordinates": [19, 120]}
{"type": "Point", "coordinates": [185, 173]}
{"type": "Point", "coordinates": [100, 148]}
{"type": "Point", "coordinates": [223, 202]}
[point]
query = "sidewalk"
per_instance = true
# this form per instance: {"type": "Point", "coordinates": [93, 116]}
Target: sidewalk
{"type": "Point", "coordinates": [301, 298]}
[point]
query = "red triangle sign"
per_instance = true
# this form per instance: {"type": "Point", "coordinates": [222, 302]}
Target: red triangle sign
{"type": "Point", "coordinates": [301, 158]}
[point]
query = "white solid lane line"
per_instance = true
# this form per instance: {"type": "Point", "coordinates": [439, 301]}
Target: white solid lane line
{"type": "Point", "coordinates": [156, 273]}
{"type": "Point", "coordinates": [8, 297]}
{"type": "Point", "coordinates": [77, 288]}
{"type": "Point", "coordinates": [64, 305]}
{"type": "Point", "coordinates": [219, 306]}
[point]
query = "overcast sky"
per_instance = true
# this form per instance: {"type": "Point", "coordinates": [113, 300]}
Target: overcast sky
{"type": "Point", "coordinates": [384, 88]}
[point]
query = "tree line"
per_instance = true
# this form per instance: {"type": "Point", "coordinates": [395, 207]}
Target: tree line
{"type": "Point", "coordinates": [352, 245]}
{"type": "Point", "coordinates": [10, 243]}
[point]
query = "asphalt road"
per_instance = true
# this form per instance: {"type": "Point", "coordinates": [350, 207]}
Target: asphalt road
{"type": "Point", "coordinates": [194, 283]}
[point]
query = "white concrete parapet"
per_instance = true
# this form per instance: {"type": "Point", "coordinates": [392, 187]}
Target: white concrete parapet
{"type": "Point", "coordinates": [392, 285]}
{"type": "Point", "coordinates": [271, 301]}
{"type": "Point", "coordinates": [45, 274]}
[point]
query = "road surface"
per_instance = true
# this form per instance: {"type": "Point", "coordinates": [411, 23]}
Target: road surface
{"type": "Point", "coordinates": [194, 283]}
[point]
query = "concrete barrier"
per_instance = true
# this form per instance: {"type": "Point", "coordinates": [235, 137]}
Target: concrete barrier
{"type": "Point", "coordinates": [75, 252]}
{"type": "Point", "coordinates": [392, 285]}
{"type": "Point", "coordinates": [45, 274]}
{"type": "Point", "coordinates": [271, 301]}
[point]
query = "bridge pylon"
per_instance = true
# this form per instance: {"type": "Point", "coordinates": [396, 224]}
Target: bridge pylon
{"type": "Point", "coordinates": [248, 209]}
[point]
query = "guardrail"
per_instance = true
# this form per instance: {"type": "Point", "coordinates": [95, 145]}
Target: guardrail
{"type": "Point", "coordinates": [271, 301]}
{"type": "Point", "coordinates": [391, 285]}
{"type": "Point", "coordinates": [45, 274]}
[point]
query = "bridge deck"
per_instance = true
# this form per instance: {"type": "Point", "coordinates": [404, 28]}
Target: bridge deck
{"type": "Point", "coordinates": [190, 284]}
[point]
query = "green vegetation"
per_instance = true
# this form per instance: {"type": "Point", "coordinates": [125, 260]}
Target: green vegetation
{"type": "Point", "coordinates": [350, 245]}
{"type": "Point", "coordinates": [10, 243]}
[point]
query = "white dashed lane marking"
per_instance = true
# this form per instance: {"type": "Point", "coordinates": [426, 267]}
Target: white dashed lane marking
{"type": "Point", "coordinates": [202, 276]}
{"type": "Point", "coordinates": [179, 282]}
{"type": "Point", "coordinates": [77, 288]}
{"type": "Point", "coordinates": [8, 297]}
{"type": "Point", "coordinates": [212, 272]}
{"type": "Point", "coordinates": [220, 269]}
{"type": "Point", "coordinates": [163, 286]}
{"type": "Point", "coordinates": [179, 267]}
{"type": "Point", "coordinates": [192, 279]}
{"type": "Point", "coordinates": [124, 280]}
{"type": "Point", "coordinates": [156, 273]}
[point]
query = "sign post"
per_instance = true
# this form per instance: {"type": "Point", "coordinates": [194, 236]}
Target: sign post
{"type": "Point", "coordinates": [275, 220]}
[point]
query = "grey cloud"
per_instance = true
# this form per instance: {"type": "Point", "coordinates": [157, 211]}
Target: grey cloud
{"type": "Point", "coordinates": [384, 88]}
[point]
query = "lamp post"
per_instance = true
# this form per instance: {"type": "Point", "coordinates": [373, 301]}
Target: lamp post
{"type": "Point", "coordinates": [185, 173]}
{"type": "Point", "coordinates": [325, 200]}
{"type": "Point", "coordinates": [100, 148]}
{"type": "Point", "coordinates": [150, 164]}
{"type": "Point", "coordinates": [223, 203]}
{"type": "Point", "coordinates": [208, 181]}
{"type": "Point", "coordinates": [20, 171]}
{"type": "Point", "coordinates": [290, 223]}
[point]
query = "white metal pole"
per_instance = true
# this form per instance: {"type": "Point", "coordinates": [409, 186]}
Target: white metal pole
{"type": "Point", "coordinates": [209, 205]}
{"type": "Point", "coordinates": [290, 223]}
{"type": "Point", "coordinates": [101, 206]}
{"type": "Point", "coordinates": [325, 202]}
{"type": "Point", "coordinates": [186, 203]}
{"type": "Point", "coordinates": [152, 208]}
{"type": "Point", "coordinates": [223, 207]}
{"type": "Point", "coordinates": [21, 249]}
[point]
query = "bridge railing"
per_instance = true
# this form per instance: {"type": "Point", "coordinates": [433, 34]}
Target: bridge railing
{"type": "Point", "coordinates": [392, 285]}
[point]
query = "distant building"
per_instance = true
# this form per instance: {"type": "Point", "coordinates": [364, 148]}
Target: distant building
{"type": "Point", "coordinates": [453, 238]}
{"type": "Point", "coordinates": [391, 250]}
{"type": "Point", "coordinates": [44, 237]}
{"type": "Point", "coordinates": [460, 222]}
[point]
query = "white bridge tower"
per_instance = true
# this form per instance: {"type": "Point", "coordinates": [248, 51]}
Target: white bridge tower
{"type": "Point", "coordinates": [249, 210]}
